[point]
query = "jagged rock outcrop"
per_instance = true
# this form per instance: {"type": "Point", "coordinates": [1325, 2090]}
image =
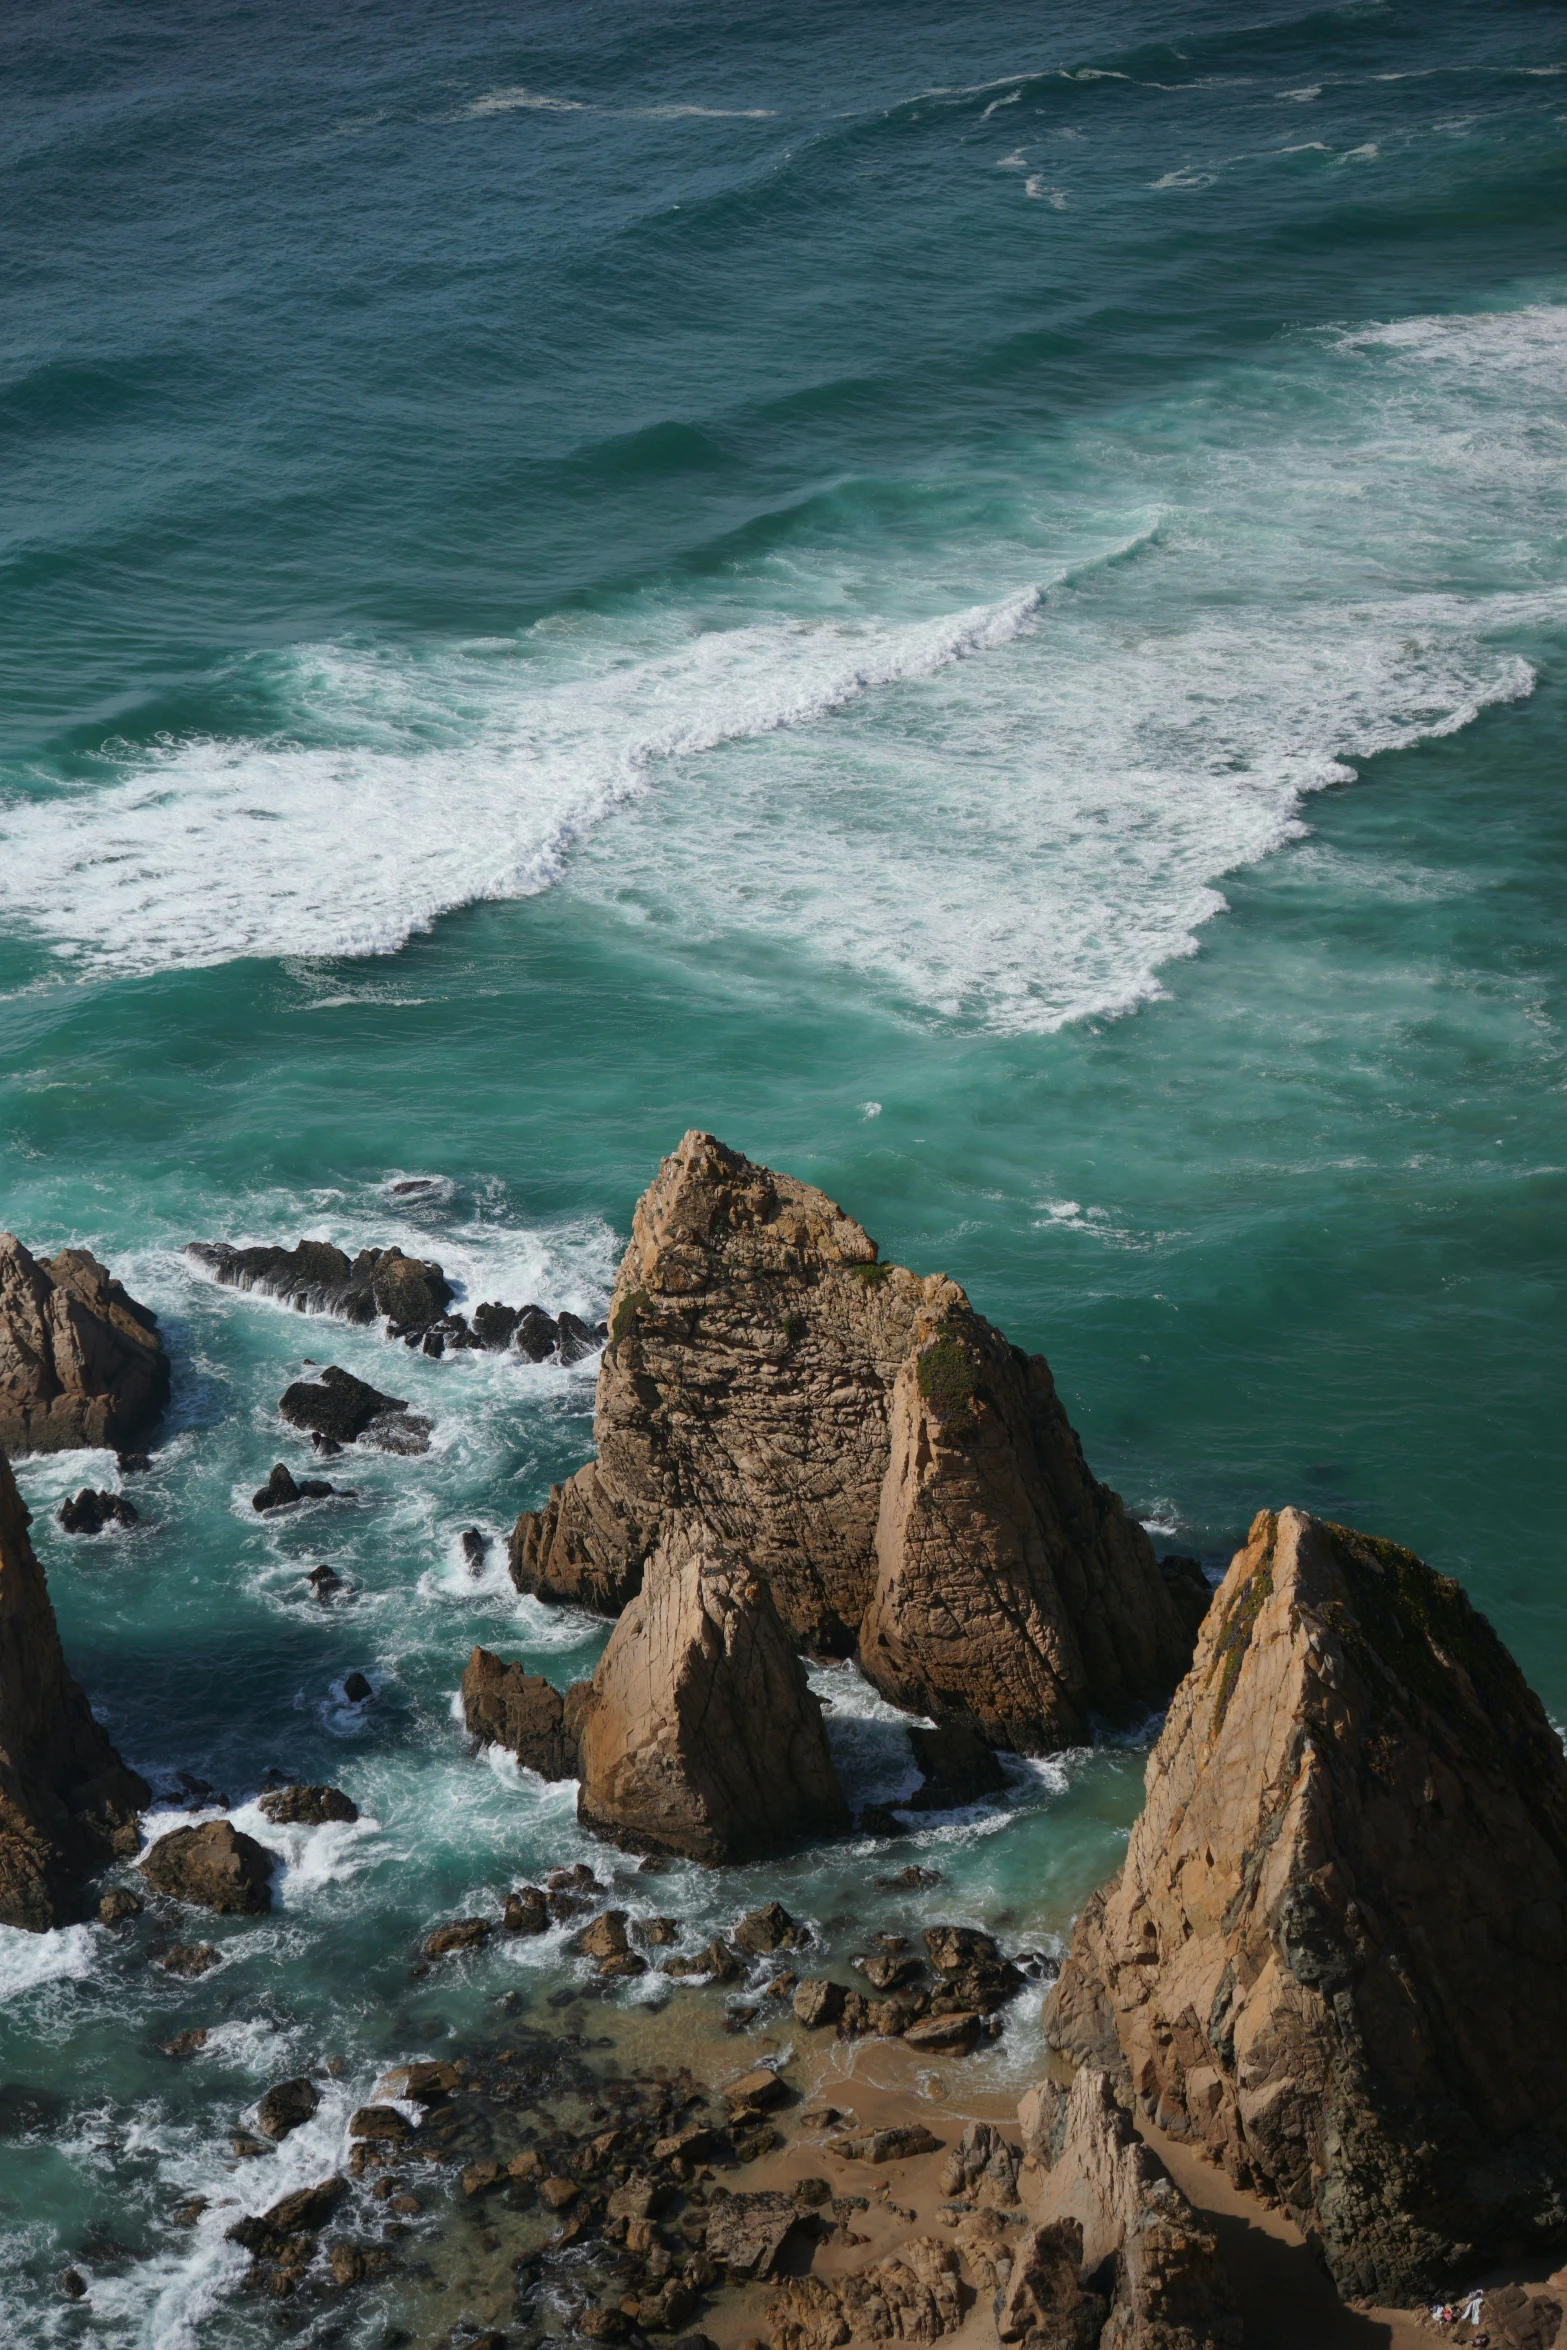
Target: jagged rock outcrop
{"type": "Point", "coordinates": [316, 1278]}
{"type": "Point", "coordinates": [339, 1409]}
{"type": "Point", "coordinates": [67, 1802]}
{"type": "Point", "coordinates": [1141, 2243]}
{"type": "Point", "coordinates": [216, 1866]}
{"type": "Point", "coordinates": [504, 1706]}
{"type": "Point", "coordinates": [699, 1734]}
{"type": "Point", "coordinates": [81, 1363]}
{"type": "Point", "coordinates": [898, 1475]}
{"type": "Point", "coordinates": [1333, 1958]}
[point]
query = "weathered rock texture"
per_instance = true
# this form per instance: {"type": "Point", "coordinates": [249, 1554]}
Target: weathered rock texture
{"type": "Point", "coordinates": [63, 1790]}
{"type": "Point", "coordinates": [216, 1866]}
{"type": "Point", "coordinates": [1333, 1958]}
{"type": "Point", "coordinates": [80, 1361]}
{"type": "Point", "coordinates": [504, 1706]}
{"type": "Point", "coordinates": [1141, 2242]}
{"type": "Point", "coordinates": [897, 1474]}
{"type": "Point", "coordinates": [316, 1278]}
{"type": "Point", "coordinates": [699, 1733]}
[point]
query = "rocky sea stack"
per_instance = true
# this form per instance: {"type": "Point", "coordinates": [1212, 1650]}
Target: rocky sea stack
{"type": "Point", "coordinates": [899, 1477]}
{"type": "Point", "coordinates": [699, 1734]}
{"type": "Point", "coordinates": [67, 1802]}
{"type": "Point", "coordinates": [1333, 1959]}
{"type": "Point", "coordinates": [81, 1363]}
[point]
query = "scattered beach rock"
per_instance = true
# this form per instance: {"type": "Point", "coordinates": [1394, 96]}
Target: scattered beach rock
{"type": "Point", "coordinates": [1332, 1958]}
{"type": "Point", "coordinates": [764, 1930]}
{"type": "Point", "coordinates": [700, 1734]}
{"type": "Point", "coordinates": [188, 1959]}
{"type": "Point", "coordinates": [281, 1492]}
{"type": "Point", "coordinates": [818, 2002]}
{"type": "Point", "coordinates": [304, 2212]}
{"type": "Point", "coordinates": [215, 1866]}
{"type": "Point", "coordinates": [1170, 2288]}
{"type": "Point", "coordinates": [527, 1911]}
{"type": "Point", "coordinates": [81, 1363]}
{"type": "Point", "coordinates": [88, 1512]}
{"type": "Point", "coordinates": [716, 1961]}
{"type": "Point", "coordinates": [461, 1934]}
{"type": "Point", "coordinates": [67, 1802]}
{"type": "Point", "coordinates": [186, 2043]}
{"type": "Point", "coordinates": [505, 1706]}
{"type": "Point", "coordinates": [343, 1410]}
{"type": "Point", "coordinates": [756, 2092]}
{"type": "Point", "coordinates": [899, 2143]}
{"type": "Point", "coordinates": [912, 2295]}
{"type": "Point", "coordinates": [956, 1535]}
{"type": "Point", "coordinates": [746, 2232]}
{"type": "Point", "coordinates": [306, 1807]}
{"type": "Point", "coordinates": [284, 2108]}
{"type": "Point", "coordinates": [945, 2035]}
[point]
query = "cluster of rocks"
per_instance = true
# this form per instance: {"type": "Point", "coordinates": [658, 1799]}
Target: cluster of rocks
{"type": "Point", "coordinates": [1117, 2256]}
{"type": "Point", "coordinates": [282, 1491]}
{"type": "Point", "coordinates": [948, 1527]}
{"type": "Point", "coordinates": [411, 1294]}
{"type": "Point", "coordinates": [800, 1447]}
{"type": "Point", "coordinates": [81, 1363]}
{"type": "Point", "coordinates": [67, 1802]}
{"type": "Point", "coordinates": [88, 1512]}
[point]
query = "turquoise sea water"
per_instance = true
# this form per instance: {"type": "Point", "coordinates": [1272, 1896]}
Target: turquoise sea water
{"type": "Point", "coordinates": [972, 598]}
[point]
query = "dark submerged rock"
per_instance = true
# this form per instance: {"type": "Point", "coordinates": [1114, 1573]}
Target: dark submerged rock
{"type": "Point", "coordinates": [345, 1409]}
{"type": "Point", "coordinates": [88, 1512]}
{"type": "Point", "coordinates": [284, 2108]}
{"type": "Point", "coordinates": [316, 1278]}
{"type": "Point", "coordinates": [280, 1491]}
{"type": "Point", "coordinates": [308, 1807]}
{"type": "Point", "coordinates": [959, 1768]}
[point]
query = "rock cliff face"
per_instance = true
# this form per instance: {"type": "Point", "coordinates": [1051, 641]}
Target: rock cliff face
{"type": "Point", "coordinates": [63, 1790]}
{"type": "Point", "coordinates": [504, 1706]}
{"type": "Point", "coordinates": [699, 1734]}
{"type": "Point", "coordinates": [80, 1361]}
{"type": "Point", "coordinates": [1333, 1958]}
{"type": "Point", "coordinates": [1111, 2200]}
{"type": "Point", "coordinates": [1011, 1589]}
{"type": "Point", "coordinates": [895, 1472]}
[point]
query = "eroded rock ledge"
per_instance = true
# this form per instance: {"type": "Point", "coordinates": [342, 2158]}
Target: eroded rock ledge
{"type": "Point", "coordinates": [897, 1475]}
{"type": "Point", "coordinates": [67, 1802]}
{"type": "Point", "coordinates": [1333, 1958]}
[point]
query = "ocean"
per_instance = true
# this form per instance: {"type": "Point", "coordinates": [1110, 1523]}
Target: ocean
{"type": "Point", "coordinates": [972, 599]}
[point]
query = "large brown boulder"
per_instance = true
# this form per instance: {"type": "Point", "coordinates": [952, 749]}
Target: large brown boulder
{"type": "Point", "coordinates": [1109, 2197]}
{"type": "Point", "coordinates": [216, 1866]}
{"type": "Point", "coordinates": [504, 1706]}
{"type": "Point", "coordinates": [767, 1374]}
{"type": "Point", "coordinates": [81, 1363]}
{"type": "Point", "coordinates": [1011, 1591]}
{"type": "Point", "coordinates": [1333, 1958]}
{"type": "Point", "coordinates": [699, 1734]}
{"type": "Point", "coordinates": [65, 1796]}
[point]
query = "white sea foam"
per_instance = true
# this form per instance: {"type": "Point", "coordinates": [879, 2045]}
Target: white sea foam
{"type": "Point", "coordinates": [1016, 810]}
{"type": "Point", "coordinates": [28, 1960]}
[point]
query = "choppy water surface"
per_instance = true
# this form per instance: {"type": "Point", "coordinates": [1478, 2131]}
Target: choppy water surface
{"type": "Point", "coordinates": [972, 601]}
